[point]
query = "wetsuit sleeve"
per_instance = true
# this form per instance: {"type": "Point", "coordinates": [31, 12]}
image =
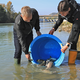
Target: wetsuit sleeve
{"type": "Point", "coordinates": [21, 37]}
{"type": "Point", "coordinates": [74, 35]}
{"type": "Point", "coordinates": [37, 25]}
{"type": "Point", "coordinates": [58, 22]}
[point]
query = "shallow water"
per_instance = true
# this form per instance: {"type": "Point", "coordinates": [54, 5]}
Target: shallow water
{"type": "Point", "coordinates": [28, 71]}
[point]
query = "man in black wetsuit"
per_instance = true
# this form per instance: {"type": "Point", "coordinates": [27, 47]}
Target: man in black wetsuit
{"type": "Point", "coordinates": [23, 34]}
{"type": "Point", "coordinates": [69, 12]}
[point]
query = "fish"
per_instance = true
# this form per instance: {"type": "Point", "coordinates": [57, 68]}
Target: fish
{"type": "Point", "coordinates": [41, 62]}
{"type": "Point", "coordinates": [48, 63]}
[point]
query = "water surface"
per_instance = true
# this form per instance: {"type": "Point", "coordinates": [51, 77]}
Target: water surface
{"type": "Point", "coordinates": [28, 71]}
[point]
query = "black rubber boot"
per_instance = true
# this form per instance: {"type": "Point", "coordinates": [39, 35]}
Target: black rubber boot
{"type": "Point", "coordinates": [17, 61]}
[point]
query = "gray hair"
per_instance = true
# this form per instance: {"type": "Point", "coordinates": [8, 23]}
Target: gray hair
{"type": "Point", "coordinates": [26, 11]}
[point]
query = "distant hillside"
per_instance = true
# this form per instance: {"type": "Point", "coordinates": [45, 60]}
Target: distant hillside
{"type": "Point", "coordinates": [53, 14]}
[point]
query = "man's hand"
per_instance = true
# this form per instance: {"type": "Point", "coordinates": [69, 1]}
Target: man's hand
{"type": "Point", "coordinates": [38, 33]}
{"type": "Point", "coordinates": [27, 56]}
{"type": "Point", "coordinates": [51, 31]}
{"type": "Point", "coordinates": [64, 48]}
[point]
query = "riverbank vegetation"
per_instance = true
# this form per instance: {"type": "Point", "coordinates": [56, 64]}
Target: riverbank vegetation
{"type": "Point", "coordinates": [65, 26]}
{"type": "Point", "coordinates": [7, 13]}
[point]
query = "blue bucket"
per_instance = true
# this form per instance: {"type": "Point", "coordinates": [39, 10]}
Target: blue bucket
{"type": "Point", "coordinates": [44, 46]}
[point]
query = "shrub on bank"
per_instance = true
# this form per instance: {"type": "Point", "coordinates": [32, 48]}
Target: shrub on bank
{"type": "Point", "coordinates": [66, 26]}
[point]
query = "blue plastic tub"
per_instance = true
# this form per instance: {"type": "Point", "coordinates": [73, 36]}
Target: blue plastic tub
{"type": "Point", "coordinates": [44, 46]}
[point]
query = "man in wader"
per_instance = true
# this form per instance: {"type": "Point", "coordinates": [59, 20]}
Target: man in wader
{"type": "Point", "coordinates": [69, 10]}
{"type": "Point", "coordinates": [23, 35]}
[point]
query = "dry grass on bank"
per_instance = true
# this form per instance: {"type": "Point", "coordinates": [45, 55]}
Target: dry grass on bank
{"type": "Point", "coordinates": [66, 26]}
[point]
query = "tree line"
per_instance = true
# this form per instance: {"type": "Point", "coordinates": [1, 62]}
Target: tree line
{"type": "Point", "coordinates": [7, 13]}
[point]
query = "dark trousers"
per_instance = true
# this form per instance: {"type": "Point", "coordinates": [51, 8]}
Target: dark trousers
{"type": "Point", "coordinates": [18, 49]}
{"type": "Point", "coordinates": [74, 44]}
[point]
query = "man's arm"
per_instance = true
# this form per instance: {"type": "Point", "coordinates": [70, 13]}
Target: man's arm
{"type": "Point", "coordinates": [21, 37]}
{"type": "Point", "coordinates": [37, 24]}
{"type": "Point", "coordinates": [56, 25]}
{"type": "Point", "coordinates": [58, 22]}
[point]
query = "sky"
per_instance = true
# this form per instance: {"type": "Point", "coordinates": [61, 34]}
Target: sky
{"type": "Point", "coordinates": [44, 7]}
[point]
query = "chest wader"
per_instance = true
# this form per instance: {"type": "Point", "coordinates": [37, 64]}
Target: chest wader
{"type": "Point", "coordinates": [72, 57]}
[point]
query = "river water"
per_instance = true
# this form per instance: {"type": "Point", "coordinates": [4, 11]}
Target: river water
{"type": "Point", "coordinates": [28, 71]}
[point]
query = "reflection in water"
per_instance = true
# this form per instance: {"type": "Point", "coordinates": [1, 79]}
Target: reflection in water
{"type": "Point", "coordinates": [6, 33]}
{"type": "Point", "coordinates": [6, 37]}
{"type": "Point", "coordinates": [10, 37]}
{"type": "Point", "coordinates": [73, 72]}
{"type": "Point", "coordinates": [17, 73]}
{"type": "Point", "coordinates": [21, 74]}
{"type": "Point", "coordinates": [27, 71]}
{"type": "Point", "coordinates": [34, 73]}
